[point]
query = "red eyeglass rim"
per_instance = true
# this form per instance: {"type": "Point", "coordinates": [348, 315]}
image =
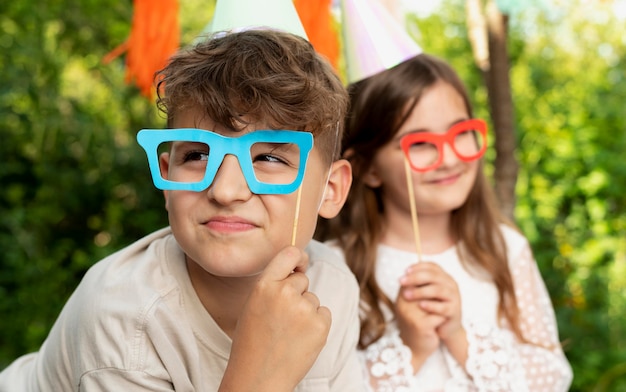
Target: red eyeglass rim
{"type": "Point", "coordinates": [448, 137]}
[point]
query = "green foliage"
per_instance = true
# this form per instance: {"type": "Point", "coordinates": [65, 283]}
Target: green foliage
{"type": "Point", "coordinates": [571, 189]}
{"type": "Point", "coordinates": [75, 184]}
{"type": "Point", "coordinates": [570, 95]}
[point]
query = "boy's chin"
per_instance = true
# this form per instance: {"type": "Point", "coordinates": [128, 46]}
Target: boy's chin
{"type": "Point", "coordinates": [226, 269]}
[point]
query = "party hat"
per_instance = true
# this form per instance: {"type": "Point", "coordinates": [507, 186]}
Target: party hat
{"type": "Point", "coordinates": [236, 15]}
{"type": "Point", "coordinates": [373, 39]}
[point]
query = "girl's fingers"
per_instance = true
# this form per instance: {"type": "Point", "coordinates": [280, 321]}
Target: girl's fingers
{"type": "Point", "coordinates": [423, 273]}
{"type": "Point", "coordinates": [436, 307]}
{"type": "Point", "coordinates": [432, 291]}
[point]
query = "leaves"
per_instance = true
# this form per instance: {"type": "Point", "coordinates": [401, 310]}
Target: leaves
{"type": "Point", "coordinates": [75, 184]}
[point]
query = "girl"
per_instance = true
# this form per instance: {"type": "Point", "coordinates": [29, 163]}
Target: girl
{"type": "Point", "coordinates": [461, 305]}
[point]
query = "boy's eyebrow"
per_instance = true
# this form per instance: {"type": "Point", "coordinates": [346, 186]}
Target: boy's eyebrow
{"type": "Point", "coordinates": [178, 143]}
{"type": "Point", "coordinates": [278, 144]}
{"type": "Point", "coordinates": [281, 146]}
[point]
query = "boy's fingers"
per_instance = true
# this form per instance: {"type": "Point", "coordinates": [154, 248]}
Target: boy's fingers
{"type": "Point", "coordinates": [284, 263]}
{"type": "Point", "coordinates": [324, 312]}
{"type": "Point", "coordinates": [312, 298]}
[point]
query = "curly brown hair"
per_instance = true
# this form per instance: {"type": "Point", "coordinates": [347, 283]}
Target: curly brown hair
{"type": "Point", "coordinates": [265, 75]}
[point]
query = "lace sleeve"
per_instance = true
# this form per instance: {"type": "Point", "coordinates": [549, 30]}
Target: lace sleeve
{"type": "Point", "coordinates": [497, 361]}
{"type": "Point", "coordinates": [387, 364]}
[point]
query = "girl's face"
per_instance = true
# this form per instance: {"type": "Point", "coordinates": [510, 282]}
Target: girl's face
{"type": "Point", "coordinates": [441, 190]}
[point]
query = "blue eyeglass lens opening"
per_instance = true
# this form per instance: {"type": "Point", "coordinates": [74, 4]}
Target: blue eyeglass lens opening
{"type": "Point", "coordinates": [272, 161]}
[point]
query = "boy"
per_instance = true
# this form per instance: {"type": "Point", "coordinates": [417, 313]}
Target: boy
{"type": "Point", "coordinates": [227, 298]}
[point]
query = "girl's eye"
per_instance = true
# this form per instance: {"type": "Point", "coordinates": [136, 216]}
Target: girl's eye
{"type": "Point", "coordinates": [422, 145]}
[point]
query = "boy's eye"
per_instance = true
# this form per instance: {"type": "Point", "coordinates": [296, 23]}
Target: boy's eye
{"type": "Point", "coordinates": [268, 158]}
{"type": "Point", "coordinates": [276, 153]}
{"type": "Point", "coordinates": [184, 152]}
{"type": "Point", "coordinates": [196, 156]}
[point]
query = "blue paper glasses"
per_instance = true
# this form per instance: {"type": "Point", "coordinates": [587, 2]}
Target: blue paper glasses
{"type": "Point", "coordinates": [272, 161]}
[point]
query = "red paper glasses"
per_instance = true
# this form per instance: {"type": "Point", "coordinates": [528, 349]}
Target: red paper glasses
{"type": "Point", "coordinates": [424, 150]}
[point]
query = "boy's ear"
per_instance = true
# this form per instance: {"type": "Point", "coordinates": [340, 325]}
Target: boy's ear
{"type": "Point", "coordinates": [164, 165]}
{"type": "Point", "coordinates": [337, 189]}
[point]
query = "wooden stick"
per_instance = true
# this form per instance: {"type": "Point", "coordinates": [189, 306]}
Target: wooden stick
{"type": "Point", "coordinates": [295, 218]}
{"type": "Point", "coordinates": [416, 231]}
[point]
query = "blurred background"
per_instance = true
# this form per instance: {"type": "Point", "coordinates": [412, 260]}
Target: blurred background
{"type": "Point", "coordinates": [75, 185]}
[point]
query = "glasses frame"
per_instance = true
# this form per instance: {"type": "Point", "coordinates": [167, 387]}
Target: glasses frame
{"type": "Point", "coordinates": [439, 139]}
{"type": "Point", "coordinates": [220, 146]}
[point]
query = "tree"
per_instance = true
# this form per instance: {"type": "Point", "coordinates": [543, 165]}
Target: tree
{"type": "Point", "coordinates": [488, 34]}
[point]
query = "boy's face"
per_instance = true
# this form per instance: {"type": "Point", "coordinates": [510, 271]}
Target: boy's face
{"type": "Point", "coordinates": [230, 231]}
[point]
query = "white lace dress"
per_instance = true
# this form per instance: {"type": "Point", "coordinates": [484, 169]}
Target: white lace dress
{"type": "Point", "coordinates": [496, 360]}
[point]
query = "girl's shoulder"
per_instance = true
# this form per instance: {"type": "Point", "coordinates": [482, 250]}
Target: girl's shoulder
{"type": "Point", "coordinates": [511, 233]}
{"type": "Point", "coordinates": [515, 241]}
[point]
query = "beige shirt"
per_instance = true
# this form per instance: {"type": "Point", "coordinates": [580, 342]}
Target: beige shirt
{"type": "Point", "coordinates": [135, 323]}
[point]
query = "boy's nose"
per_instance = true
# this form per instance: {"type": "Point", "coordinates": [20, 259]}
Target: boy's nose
{"type": "Point", "coordinates": [229, 184]}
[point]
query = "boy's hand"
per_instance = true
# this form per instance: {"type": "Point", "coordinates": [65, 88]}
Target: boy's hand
{"type": "Point", "coordinates": [281, 330]}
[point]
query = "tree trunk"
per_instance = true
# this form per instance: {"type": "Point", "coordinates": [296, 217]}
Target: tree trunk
{"type": "Point", "coordinates": [491, 26]}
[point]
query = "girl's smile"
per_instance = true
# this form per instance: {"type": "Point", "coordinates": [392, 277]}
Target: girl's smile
{"type": "Point", "coordinates": [445, 180]}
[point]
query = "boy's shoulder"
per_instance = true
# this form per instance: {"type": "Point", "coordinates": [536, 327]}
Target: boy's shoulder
{"type": "Point", "coordinates": [120, 294]}
{"type": "Point", "coordinates": [128, 281]}
{"type": "Point", "coordinates": [142, 264]}
{"type": "Point", "coordinates": [105, 322]}
{"type": "Point", "coordinates": [323, 256]}
{"type": "Point", "coordinates": [328, 272]}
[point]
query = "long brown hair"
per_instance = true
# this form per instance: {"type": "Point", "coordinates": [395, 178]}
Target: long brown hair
{"type": "Point", "coordinates": [378, 110]}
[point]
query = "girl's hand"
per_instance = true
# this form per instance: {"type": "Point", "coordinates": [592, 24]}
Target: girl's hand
{"type": "Point", "coordinates": [436, 293]}
{"type": "Point", "coordinates": [418, 329]}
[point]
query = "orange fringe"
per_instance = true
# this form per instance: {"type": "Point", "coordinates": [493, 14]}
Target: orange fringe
{"type": "Point", "coordinates": [318, 25]}
{"type": "Point", "coordinates": [154, 37]}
